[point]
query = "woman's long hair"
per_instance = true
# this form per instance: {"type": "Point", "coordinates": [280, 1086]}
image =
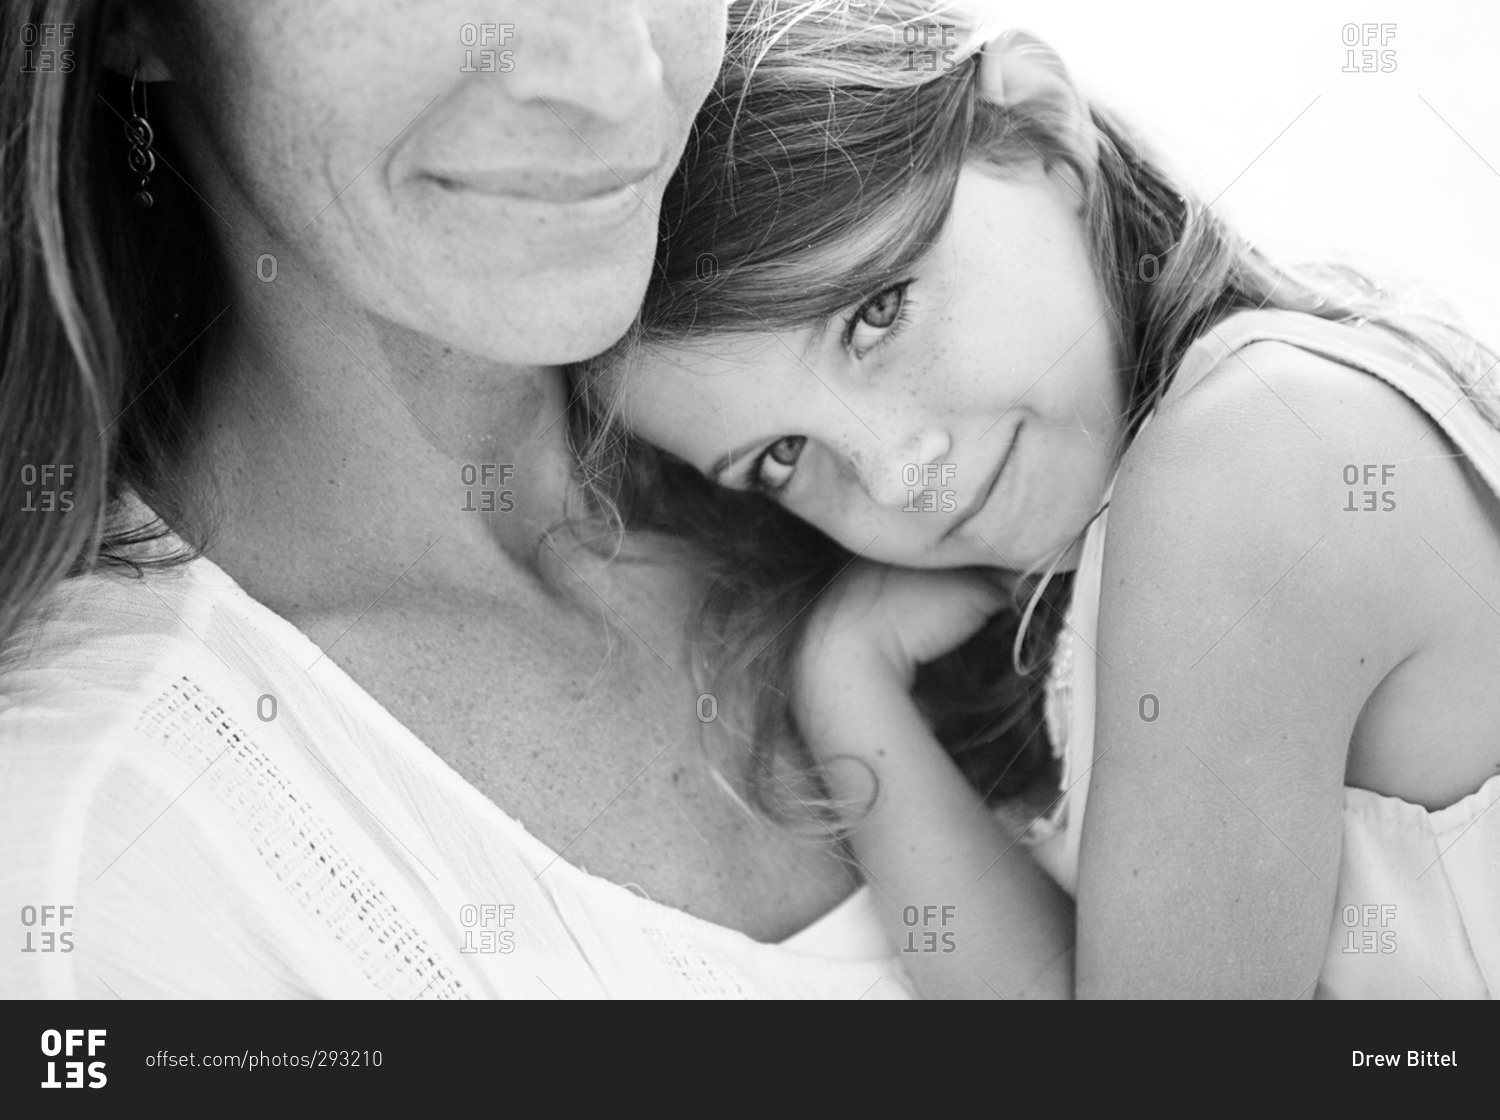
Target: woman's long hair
{"type": "Point", "coordinates": [820, 170]}
{"type": "Point", "coordinates": [103, 307]}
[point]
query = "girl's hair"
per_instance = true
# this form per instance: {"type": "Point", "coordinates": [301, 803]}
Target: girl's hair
{"type": "Point", "coordinates": [103, 307]}
{"type": "Point", "coordinates": [820, 170]}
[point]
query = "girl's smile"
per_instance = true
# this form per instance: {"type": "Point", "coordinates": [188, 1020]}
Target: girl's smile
{"type": "Point", "coordinates": [969, 413]}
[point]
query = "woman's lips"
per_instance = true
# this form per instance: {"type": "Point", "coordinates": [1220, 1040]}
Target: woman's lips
{"type": "Point", "coordinates": [543, 184]}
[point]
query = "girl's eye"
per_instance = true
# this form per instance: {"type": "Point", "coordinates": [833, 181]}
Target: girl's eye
{"type": "Point", "coordinates": [877, 320]}
{"type": "Point", "coordinates": [773, 470]}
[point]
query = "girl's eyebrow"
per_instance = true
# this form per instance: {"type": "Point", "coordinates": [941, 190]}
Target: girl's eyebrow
{"type": "Point", "coordinates": [722, 464]}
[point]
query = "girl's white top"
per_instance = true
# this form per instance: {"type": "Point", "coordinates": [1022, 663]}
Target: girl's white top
{"type": "Point", "coordinates": [1418, 904]}
{"type": "Point", "coordinates": [226, 813]}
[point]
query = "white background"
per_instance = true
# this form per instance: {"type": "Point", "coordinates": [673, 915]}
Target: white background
{"type": "Point", "coordinates": [1370, 175]}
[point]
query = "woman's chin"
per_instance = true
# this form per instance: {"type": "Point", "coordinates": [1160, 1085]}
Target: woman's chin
{"type": "Point", "coordinates": [544, 327]}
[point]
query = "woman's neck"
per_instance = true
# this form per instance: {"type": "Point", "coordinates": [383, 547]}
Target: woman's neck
{"type": "Point", "coordinates": [341, 449]}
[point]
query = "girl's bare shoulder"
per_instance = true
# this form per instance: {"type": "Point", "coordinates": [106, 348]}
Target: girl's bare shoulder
{"type": "Point", "coordinates": [1279, 459]}
{"type": "Point", "coordinates": [1314, 536]}
{"type": "Point", "coordinates": [1278, 441]}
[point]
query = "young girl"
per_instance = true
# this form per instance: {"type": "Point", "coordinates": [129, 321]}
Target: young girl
{"type": "Point", "coordinates": [955, 318]}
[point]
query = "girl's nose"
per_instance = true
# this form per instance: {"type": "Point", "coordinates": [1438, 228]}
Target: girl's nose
{"type": "Point", "coordinates": [896, 474]}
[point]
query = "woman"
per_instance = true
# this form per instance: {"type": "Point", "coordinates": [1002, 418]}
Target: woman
{"type": "Point", "coordinates": [298, 642]}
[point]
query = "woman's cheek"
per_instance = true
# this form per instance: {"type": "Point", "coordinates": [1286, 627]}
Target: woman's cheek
{"type": "Point", "coordinates": [690, 38]}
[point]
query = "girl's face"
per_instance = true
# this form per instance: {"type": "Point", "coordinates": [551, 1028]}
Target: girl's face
{"type": "Point", "coordinates": [484, 173]}
{"type": "Point", "coordinates": [969, 415]}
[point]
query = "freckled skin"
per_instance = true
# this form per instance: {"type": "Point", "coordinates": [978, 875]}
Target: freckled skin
{"type": "Point", "coordinates": [1007, 332]}
{"type": "Point", "coordinates": [410, 333]}
{"type": "Point", "coordinates": [312, 129]}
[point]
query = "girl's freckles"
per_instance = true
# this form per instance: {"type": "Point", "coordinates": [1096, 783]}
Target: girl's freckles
{"type": "Point", "coordinates": [915, 376]}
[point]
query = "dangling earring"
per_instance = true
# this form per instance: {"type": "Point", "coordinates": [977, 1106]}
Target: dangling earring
{"type": "Point", "coordinates": [142, 159]}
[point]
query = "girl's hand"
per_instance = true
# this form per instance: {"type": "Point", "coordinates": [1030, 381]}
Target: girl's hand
{"type": "Point", "coordinates": [907, 617]}
{"type": "Point", "coordinates": [920, 832]}
{"type": "Point", "coordinates": [875, 624]}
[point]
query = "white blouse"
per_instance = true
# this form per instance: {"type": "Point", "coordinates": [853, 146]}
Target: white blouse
{"type": "Point", "coordinates": [207, 806]}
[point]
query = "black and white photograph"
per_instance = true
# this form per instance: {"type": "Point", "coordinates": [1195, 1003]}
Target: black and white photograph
{"type": "Point", "coordinates": [776, 499]}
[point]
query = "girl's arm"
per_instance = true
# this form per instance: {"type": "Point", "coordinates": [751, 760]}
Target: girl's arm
{"type": "Point", "coordinates": [1259, 616]}
{"type": "Point", "coordinates": [970, 912]}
